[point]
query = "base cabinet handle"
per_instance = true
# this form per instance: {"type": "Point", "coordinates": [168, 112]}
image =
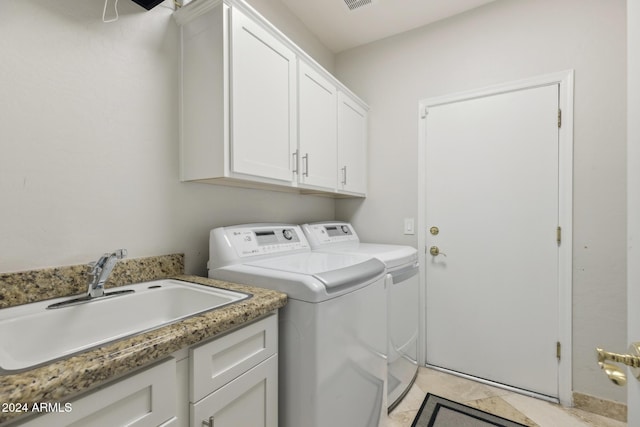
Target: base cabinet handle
{"type": "Point", "coordinates": [208, 423]}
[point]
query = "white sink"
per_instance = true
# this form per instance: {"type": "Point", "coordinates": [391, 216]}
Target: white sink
{"type": "Point", "coordinates": [32, 334]}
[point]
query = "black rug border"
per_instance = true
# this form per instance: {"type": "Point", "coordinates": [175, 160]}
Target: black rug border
{"type": "Point", "coordinates": [453, 408]}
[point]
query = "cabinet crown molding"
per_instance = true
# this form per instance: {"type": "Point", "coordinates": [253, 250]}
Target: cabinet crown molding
{"type": "Point", "coordinates": [197, 8]}
{"type": "Point", "coordinates": [193, 10]}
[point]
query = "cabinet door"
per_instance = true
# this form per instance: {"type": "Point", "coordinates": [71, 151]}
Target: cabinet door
{"type": "Point", "coordinates": [218, 362]}
{"type": "Point", "coordinates": [352, 146]}
{"type": "Point", "coordinates": [249, 400]}
{"type": "Point", "coordinates": [263, 92]}
{"type": "Point", "coordinates": [142, 399]}
{"type": "Point", "coordinates": [317, 116]}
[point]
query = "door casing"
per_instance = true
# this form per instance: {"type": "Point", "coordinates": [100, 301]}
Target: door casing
{"type": "Point", "coordinates": [633, 199]}
{"type": "Point", "coordinates": [565, 81]}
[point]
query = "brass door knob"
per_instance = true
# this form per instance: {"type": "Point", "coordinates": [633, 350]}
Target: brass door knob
{"type": "Point", "coordinates": [614, 373]}
{"type": "Point", "coordinates": [435, 251]}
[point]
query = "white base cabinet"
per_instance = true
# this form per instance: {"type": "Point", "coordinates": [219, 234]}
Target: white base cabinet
{"type": "Point", "coordinates": [234, 379]}
{"type": "Point", "coordinates": [257, 111]}
{"type": "Point", "coordinates": [231, 380]}
{"type": "Point", "coordinates": [142, 399]}
{"type": "Point", "coordinates": [249, 400]}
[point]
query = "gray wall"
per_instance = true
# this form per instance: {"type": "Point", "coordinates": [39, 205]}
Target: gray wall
{"type": "Point", "coordinates": [89, 141]}
{"type": "Point", "coordinates": [501, 42]}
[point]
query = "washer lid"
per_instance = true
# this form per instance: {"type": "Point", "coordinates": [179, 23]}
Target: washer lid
{"type": "Point", "coordinates": [392, 256]}
{"type": "Point", "coordinates": [340, 237]}
{"type": "Point", "coordinates": [335, 271]}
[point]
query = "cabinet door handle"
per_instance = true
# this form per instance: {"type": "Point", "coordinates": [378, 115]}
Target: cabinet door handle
{"type": "Point", "coordinates": [295, 161]}
{"type": "Point", "coordinates": [208, 423]}
{"type": "Point", "coordinates": [344, 175]}
{"type": "Point", "coordinates": [305, 160]}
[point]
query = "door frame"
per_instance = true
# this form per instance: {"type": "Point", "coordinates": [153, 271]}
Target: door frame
{"type": "Point", "coordinates": [633, 199]}
{"type": "Point", "coordinates": [565, 204]}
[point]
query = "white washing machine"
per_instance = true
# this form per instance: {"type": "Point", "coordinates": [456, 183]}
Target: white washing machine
{"type": "Point", "coordinates": [332, 339]}
{"type": "Point", "coordinates": [403, 287]}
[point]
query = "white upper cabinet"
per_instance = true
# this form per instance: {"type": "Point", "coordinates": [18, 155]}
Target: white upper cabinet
{"type": "Point", "coordinates": [263, 92]}
{"type": "Point", "coordinates": [317, 115]}
{"type": "Point", "coordinates": [352, 146]}
{"type": "Point", "coordinates": [257, 111]}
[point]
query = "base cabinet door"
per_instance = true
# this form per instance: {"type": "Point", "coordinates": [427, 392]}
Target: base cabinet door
{"type": "Point", "coordinates": [249, 400]}
{"type": "Point", "coordinates": [142, 399]}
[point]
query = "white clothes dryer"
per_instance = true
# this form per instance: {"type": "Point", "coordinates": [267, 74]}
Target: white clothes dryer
{"type": "Point", "coordinates": [332, 339]}
{"type": "Point", "coordinates": [403, 287]}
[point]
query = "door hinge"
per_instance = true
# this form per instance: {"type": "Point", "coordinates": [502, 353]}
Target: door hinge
{"type": "Point", "coordinates": [558, 350]}
{"type": "Point", "coordinates": [559, 118]}
{"type": "Point", "coordinates": [424, 113]}
{"type": "Point", "coordinates": [559, 235]}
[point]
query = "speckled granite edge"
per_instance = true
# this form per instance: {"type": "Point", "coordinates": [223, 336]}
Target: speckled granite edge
{"type": "Point", "coordinates": [38, 285]}
{"type": "Point", "coordinates": [597, 405]}
{"type": "Point", "coordinates": [62, 380]}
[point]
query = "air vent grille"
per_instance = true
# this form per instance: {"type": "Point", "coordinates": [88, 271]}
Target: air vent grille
{"type": "Point", "coordinates": [354, 4]}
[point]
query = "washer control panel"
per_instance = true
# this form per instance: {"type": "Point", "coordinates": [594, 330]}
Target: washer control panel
{"type": "Point", "coordinates": [327, 233]}
{"type": "Point", "coordinates": [338, 230]}
{"type": "Point", "coordinates": [266, 240]}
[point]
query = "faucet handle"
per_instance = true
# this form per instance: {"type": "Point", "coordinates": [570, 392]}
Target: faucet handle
{"type": "Point", "coordinates": [94, 274]}
{"type": "Point", "coordinates": [97, 266]}
{"type": "Point", "coordinates": [120, 253]}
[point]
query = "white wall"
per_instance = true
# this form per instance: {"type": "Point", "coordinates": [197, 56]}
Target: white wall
{"type": "Point", "coordinates": [501, 42]}
{"type": "Point", "coordinates": [89, 142]}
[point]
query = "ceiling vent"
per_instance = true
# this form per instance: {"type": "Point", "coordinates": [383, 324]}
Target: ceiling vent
{"type": "Point", "coordinates": [355, 4]}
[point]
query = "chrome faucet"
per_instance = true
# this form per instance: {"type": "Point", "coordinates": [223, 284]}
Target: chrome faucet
{"type": "Point", "coordinates": [100, 271]}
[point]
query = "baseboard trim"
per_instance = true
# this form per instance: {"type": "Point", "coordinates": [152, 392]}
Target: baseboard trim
{"type": "Point", "coordinates": [597, 405]}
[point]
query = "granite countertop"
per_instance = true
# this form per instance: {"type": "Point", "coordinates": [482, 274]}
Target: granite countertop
{"type": "Point", "coordinates": [61, 380]}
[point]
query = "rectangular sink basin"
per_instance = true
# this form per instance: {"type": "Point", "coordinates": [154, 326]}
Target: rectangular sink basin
{"type": "Point", "coordinates": [32, 335]}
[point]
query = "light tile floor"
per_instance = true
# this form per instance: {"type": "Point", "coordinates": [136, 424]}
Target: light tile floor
{"type": "Point", "coordinates": [523, 409]}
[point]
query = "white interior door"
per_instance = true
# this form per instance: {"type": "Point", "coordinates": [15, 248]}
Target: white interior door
{"type": "Point", "coordinates": [633, 278]}
{"type": "Point", "coordinates": [492, 171]}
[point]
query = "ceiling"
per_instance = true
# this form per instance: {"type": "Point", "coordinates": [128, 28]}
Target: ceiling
{"type": "Point", "coordinates": [340, 28]}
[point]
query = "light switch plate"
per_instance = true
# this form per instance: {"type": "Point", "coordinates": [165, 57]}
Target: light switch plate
{"type": "Point", "coordinates": [409, 226]}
